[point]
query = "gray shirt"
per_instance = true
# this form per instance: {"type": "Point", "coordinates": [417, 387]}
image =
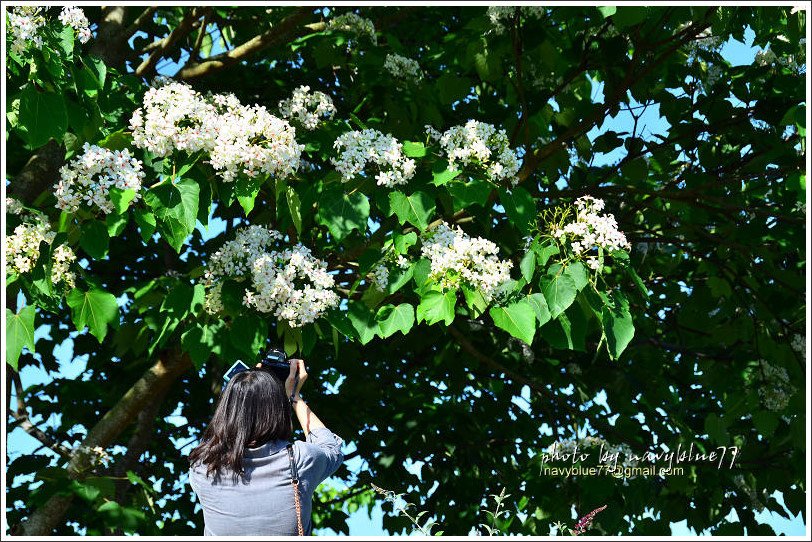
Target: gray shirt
{"type": "Point", "coordinates": [261, 504]}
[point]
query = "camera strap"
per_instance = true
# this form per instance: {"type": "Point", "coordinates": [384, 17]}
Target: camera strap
{"type": "Point", "coordinates": [294, 480]}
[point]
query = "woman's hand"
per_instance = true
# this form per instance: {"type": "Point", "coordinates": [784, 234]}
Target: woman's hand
{"type": "Point", "coordinates": [297, 368]}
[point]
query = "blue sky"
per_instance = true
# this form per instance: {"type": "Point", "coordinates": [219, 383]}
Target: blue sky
{"type": "Point", "coordinates": [360, 523]}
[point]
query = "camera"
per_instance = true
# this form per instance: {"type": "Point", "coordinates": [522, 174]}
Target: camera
{"type": "Point", "coordinates": [276, 362]}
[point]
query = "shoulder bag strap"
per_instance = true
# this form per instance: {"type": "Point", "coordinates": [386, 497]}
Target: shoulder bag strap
{"type": "Point", "coordinates": [294, 480]}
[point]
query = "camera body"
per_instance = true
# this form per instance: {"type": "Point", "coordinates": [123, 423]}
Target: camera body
{"type": "Point", "coordinates": [276, 362]}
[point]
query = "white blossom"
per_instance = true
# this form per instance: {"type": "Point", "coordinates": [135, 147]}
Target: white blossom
{"type": "Point", "coordinates": [22, 248]}
{"type": "Point", "coordinates": [293, 285]}
{"type": "Point", "coordinates": [775, 390]}
{"type": "Point", "coordinates": [501, 15]}
{"type": "Point", "coordinates": [290, 283]}
{"type": "Point", "coordinates": [354, 24]}
{"type": "Point", "coordinates": [591, 230]}
{"type": "Point", "coordinates": [174, 117]}
{"type": "Point", "coordinates": [239, 139]}
{"type": "Point", "coordinates": [23, 26]}
{"type": "Point", "coordinates": [63, 257]}
{"type": "Point", "coordinates": [457, 258]}
{"type": "Point", "coordinates": [380, 276]}
{"type": "Point", "coordinates": [482, 144]}
{"type": "Point", "coordinates": [402, 68]}
{"type": "Point", "coordinates": [14, 206]}
{"type": "Point", "coordinates": [252, 141]}
{"type": "Point", "coordinates": [88, 178]}
{"type": "Point", "coordinates": [307, 108]}
{"type": "Point", "coordinates": [798, 343]}
{"type": "Point", "coordinates": [75, 17]}
{"type": "Point", "coordinates": [358, 150]}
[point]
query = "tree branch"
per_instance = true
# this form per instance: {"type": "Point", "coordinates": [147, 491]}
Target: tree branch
{"type": "Point", "coordinates": [178, 32]}
{"type": "Point", "coordinates": [276, 34]}
{"type": "Point", "coordinates": [21, 416]}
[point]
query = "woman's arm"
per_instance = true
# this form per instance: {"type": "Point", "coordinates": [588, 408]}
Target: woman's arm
{"type": "Point", "coordinates": [307, 418]}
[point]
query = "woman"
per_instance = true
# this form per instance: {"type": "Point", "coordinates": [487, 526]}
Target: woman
{"type": "Point", "coordinates": [242, 471]}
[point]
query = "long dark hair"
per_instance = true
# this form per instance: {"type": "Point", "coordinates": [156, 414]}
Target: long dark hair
{"type": "Point", "coordinates": [252, 410]}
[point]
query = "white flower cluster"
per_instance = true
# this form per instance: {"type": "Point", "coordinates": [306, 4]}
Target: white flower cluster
{"type": "Point", "coordinates": [501, 15]}
{"type": "Point", "coordinates": [251, 141]}
{"type": "Point", "coordinates": [22, 250]}
{"type": "Point", "coordinates": [457, 258]}
{"type": "Point", "coordinates": [62, 258]}
{"type": "Point", "coordinates": [796, 62]}
{"type": "Point", "coordinates": [358, 149]}
{"type": "Point", "coordinates": [14, 206]}
{"type": "Point", "coordinates": [89, 177]}
{"type": "Point", "coordinates": [799, 344]}
{"type": "Point", "coordinates": [24, 24]}
{"type": "Point", "coordinates": [239, 138]}
{"type": "Point", "coordinates": [75, 17]}
{"type": "Point", "coordinates": [380, 273]}
{"type": "Point", "coordinates": [22, 247]}
{"type": "Point", "coordinates": [308, 108]}
{"type": "Point", "coordinates": [481, 143]}
{"type": "Point", "coordinates": [380, 276]}
{"type": "Point", "coordinates": [775, 390]}
{"type": "Point", "coordinates": [402, 68]}
{"type": "Point", "coordinates": [704, 41]}
{"type": "Point", "coordinates": [591, 230]}
{"type": "Point", "coordinates": [354, 24]}
{"type": "Point", "coordinates": [174, 118]}
{"type": "Point", "coordinates": [292, 284]}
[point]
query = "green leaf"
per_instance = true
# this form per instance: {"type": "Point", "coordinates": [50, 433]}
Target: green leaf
{"type": "Point", "coordinates": [415, 209]}
{"type": "Point", "coordinates": [518, 319]}
{"type": "Point", "coordinates": [392, 319]}
{"type": "Point", "coordinates": [95, 239]}
{"type": "Point", "coordinates": [618, 326]}
{"type": "Point", "coordinates": [545, 252]}
{"type": "Point", "coordinates": [436, 307]}
{"type": "Point", "coordinates": [342, 213]}
{"type": "Point", "coordinates": [121, 199]}
{"type": "Point", "coordinates": [559, 291]}
{"type": "Point", "coordinates": [577, 272]}
{"type": "Point", "coordinates": [42, 116]}
{"type": "Point", "coordinates": [95, 309]}
{"type": "Point", "coordinates": [362, 320]}
{"type": "Point", "coordinates": [90, 488]}
{"type": "Point", "coordinates": [520, 208]}
{"type": "Point", "coordinates": [402, 241]}
{"type": "Point", "coordinates": [295, 208]}
{"type": "Point", "coordinates": [635, 170]}
{"type": "Point", "coordinates": [607, 11]}
{"type": "Point", "coordinates": [626, 16]}
{"type": "Point", "coordinates": [539, 305]}
{"type": "Point", "coordinates": [175, 207]}
{"type": "Point", "coordinates": [443, 174]}
{"type": "Point", "coordinates": [199, 342]}
{"type": "Point", "coordinates": [19, 333]}
{"type": "Point", "coordinates": [146, 223]}
{"type": "Point", "coordinates": [528, 265]}
{"type": "Point", "coordinates": [474, 300]}
{"type": "Point", "coordinates": [716, 429]}
{"type": "Point", "coordinates": [117, 141]}
{"type": "Point", "coordinates": [248, 334]}
{"type": "Point", "coordinates": [414, 149]}
{"type": "Point", "coordinates": [246, 190]}
{"type": "Point", "coordinates": [474, 192]}
{"type": "Point", "coordinates": [115, 224]}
